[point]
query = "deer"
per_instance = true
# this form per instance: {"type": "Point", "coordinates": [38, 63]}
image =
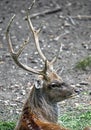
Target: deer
{"type": "Point", "coordinates": [40, 111]}
{"type": "Point", "coordinates": [87, 128]}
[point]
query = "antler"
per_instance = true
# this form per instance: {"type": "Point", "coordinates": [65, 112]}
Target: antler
{"type": "Point", "coordinates": [15, 55]}
{"type": "Point", "coordinates": [35, 34]}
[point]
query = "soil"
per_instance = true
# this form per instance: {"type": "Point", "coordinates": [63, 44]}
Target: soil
{"type": "Point", "coordinates": [64, 27]}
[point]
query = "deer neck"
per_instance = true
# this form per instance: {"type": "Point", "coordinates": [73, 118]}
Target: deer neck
{"type": "Point", "coordinates": [41, 107]}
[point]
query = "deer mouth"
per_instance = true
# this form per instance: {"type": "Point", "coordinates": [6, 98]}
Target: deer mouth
{"type": "Point", "coordinates": [73, 95]}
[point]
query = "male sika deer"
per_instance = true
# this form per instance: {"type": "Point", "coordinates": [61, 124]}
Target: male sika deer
{"type": "Point", "coordinates": [40, 111]}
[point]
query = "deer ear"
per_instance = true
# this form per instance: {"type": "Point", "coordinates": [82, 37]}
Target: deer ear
{"type": "Point", "coordinates": [38, 83]}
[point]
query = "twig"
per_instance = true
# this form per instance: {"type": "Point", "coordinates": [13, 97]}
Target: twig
{"type": "Point", "coordinates": [46, 12]}
{"type": "Point", "coordinates": [77, 17]}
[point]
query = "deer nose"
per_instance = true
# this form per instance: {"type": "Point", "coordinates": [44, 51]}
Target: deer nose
{"type": "Point", "coordinates": [76, 89]}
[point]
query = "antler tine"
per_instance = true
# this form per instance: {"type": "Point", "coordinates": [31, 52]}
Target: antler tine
{"type": "Point", "coordinates": [35, 34]}
{"type": "Point", "coordinates": [8, 37]}
{"type": "Point", "coordinates": [15, 55]}
{"type": "Point", "coordinates": [56, 57]}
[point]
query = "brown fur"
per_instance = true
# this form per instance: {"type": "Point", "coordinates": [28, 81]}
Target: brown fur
{"type": "Point", "coordinates": [40, 110]}
{"type": "Point", "coordinates": [87, 128]}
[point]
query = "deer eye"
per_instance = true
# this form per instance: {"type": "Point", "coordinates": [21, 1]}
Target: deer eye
{"type": "Point", "coordinates": [53, 85]}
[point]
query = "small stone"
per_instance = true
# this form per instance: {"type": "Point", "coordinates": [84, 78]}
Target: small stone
{"type": "Point", "coordinates": [23, 11]}
{"type": "Point", "coordinates": [23, 92]}
{"type": "Point", "coordinates": [36, 53]}
{"type": "Point", "coordinates": [17, 23]}
{"type": "Point", "coordinates": [69, 4]}
{"type": "Point", "coordinates": [6, 102]}
{"type": "Point", "coordinates": [49, 46]}
{"type": "Point", "coordinates": [44, 27]}
{"type": "Point", "coordinates": [84, 83]}
{"type": "Point", "coordinates": [66, 24]}
{"type": "Point", "coordinates": [11, 104]}
{"type": "Point", "coordinates": [1, 21]}
{"type": "Point", "coordinates": [35, 67]}
{"type": "Point", "coordinates": [78, 85]}
{"type": "Point", "coordinates": [41, 65]}
{"type": "Point", "coordinates": [1, 29]}
{"type": "Point", "coordinates": [8, 55]}
{"type": "Point", "coordinates": [19, 27]}
{"type": "Point", "coordinates": [34, 61]}
{"type": "Point", "coordinates": [77, 104]}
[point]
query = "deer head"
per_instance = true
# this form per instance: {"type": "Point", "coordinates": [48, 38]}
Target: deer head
{"type": "Point", "coordinates": [48, 88]}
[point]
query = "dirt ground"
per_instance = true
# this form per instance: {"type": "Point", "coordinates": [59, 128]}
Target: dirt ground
{"type": "Point", "coordinates": [64, 26]}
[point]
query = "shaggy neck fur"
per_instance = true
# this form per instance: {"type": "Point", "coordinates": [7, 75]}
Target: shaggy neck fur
{"type": "Point", "coordinates": [40, 106]}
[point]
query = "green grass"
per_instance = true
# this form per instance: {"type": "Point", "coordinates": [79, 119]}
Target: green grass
{"type": "Point", "coordinates": [7, 125]}
{"type": "Point", "coordinates": [72, 120]}
{"type": "Point", "coordinates": [83, 64]}
{"type": "Point", "coordinates": [76, 121]}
